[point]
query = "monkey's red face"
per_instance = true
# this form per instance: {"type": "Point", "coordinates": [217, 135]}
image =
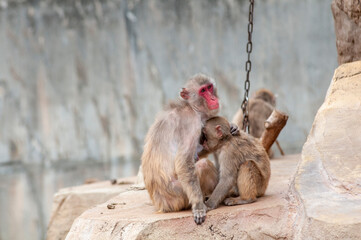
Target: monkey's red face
{"type": "Point", "coordinates": [207, 92]}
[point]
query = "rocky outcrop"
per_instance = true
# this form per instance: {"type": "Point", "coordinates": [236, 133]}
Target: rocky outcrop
{"type": "Point", "coordinates": [69, 203]}
{"type": "Point", "coordinates": [328, 182]}
{"type": "Point", "coordinates": [347, 16]}
{"type": "Point", "coordinates": [134, 217]}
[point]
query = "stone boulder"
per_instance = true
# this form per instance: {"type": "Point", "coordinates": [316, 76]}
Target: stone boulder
{"type": "Point", "coordinates": [347, 16]}
{"type": "Point", "coordinates": [69, 203]}
{"type": "Point", "coordinates": [328, 181]}
{"type": "Point", "coordinates": [134, 217]}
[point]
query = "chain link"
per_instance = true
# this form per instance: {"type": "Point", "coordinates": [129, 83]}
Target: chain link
{"type": "Point", "coordinates": [248, 67]}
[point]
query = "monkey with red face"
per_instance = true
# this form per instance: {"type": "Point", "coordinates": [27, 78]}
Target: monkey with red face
{"type": "Point", "coordinates": [171, 176]}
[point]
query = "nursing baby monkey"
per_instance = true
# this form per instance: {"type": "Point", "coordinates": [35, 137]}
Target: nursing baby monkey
{"type": "Point", "coordinates": [244, 166]}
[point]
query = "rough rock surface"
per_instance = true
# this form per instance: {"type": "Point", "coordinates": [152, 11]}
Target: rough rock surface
{"type": "Point", "coordinates": [134, 217]}
{"type": "Point", "coordinates": [69, 203]}
{"type": "Point", "coordinates": [347, 16]}
{"type": "Point", "coordinates": [328, 181]}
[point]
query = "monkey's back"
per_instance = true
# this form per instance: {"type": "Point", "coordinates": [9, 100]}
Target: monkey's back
{"type": "Point", "coordinates": [259, 111]}
{"type": "Point", "coordinates": [247, 148]}
{"type": "Point", "coordinates": [161, 146]}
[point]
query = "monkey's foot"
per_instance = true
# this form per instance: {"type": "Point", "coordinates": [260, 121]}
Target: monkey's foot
{"type": "Point", "coordinates": [211, 205]}
{"type": "Point", "coordinates": [237, 201]}
{"type": "Point", "coordinates": [199, 212]}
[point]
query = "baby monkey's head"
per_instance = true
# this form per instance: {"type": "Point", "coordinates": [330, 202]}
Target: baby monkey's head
{"type": "Point", "coordinates": [214, 133]}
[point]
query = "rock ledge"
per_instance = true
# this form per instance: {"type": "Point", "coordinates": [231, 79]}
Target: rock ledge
{"type": "Point", "coordinates": [134, 217]}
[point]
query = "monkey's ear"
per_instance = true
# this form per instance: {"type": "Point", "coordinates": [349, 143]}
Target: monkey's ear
{"type": "Point", "coordinates": [184, 94]}
{"type": "Point", "coordinates": [219, 131]}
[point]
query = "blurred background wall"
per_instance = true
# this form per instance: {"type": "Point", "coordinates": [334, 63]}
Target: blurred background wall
{"type": "Point", "coordinates": [81, 82]}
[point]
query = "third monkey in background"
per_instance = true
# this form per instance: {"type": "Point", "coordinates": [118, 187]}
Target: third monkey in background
{"type": "Point", "coordinates": [261, 105]}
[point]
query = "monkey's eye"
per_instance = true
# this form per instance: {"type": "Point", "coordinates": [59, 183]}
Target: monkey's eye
{"type": "Point", "coordinates": [203, 90]}
{"type": "Point", "coordinates": [210, 86]}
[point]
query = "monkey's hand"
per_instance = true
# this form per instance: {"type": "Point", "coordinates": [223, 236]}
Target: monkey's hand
{"type": "Point", "coordinates": [234, 129]}
{"type": "Point", "coordinates": [199, 212]}
{"type": "Point", "coordinates": [210, 204]}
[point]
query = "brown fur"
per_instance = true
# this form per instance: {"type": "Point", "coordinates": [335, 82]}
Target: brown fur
{"type": "Point", "coordinates": [208, 176]}
{"type": "Point", "coordinates": [172, 178]}
{"type": "Point", "coordinates": [243, 162]}
{"type": "Point", "coordinates": [261, 105]}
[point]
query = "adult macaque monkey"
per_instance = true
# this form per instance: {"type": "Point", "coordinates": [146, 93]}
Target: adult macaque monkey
{"type": "Point", "coordinates": [243, 163]}
{"type": "Point", "coordinates": [172, 178]}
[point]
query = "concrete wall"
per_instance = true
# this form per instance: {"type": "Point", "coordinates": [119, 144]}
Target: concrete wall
{"type": "Point", "coordinates": [81, 82]}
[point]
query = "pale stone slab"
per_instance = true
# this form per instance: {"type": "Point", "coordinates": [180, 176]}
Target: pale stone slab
{"type": "Point", "coordinates": [328, 181]}
{"type": "Point", "coordinates": [134, 217]}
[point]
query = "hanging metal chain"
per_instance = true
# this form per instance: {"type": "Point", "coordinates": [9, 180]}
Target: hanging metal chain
{"type": "Point", "coordinates": [247, 83]}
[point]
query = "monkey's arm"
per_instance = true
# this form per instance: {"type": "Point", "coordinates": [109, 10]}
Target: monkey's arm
{"type": "Point", "coordinates": [185, 170]}
{"type": "Point", "coordinates": [227, 180]}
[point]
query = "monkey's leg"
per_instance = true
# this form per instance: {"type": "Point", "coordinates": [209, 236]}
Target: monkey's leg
{"type": "Point", "coordinates": [247, 181]}
{"type": "Point", "coordinates": [171, 198]}
{"type": "Point", "coordinates": [208, 176]}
